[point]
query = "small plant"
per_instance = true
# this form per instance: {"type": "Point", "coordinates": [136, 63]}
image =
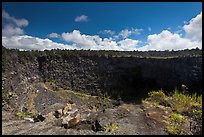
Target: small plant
{"type": "Point", "coordinates": [199, 98]}
{"type": "Point", "coordinates": [176, 124]}
{"type": "Point", "coordinates": [111, 127]}
{"type": "Point", "coordinates": [21, 114]}
{"type": "Point", "coordinates": [184, 88]}
{"type": "Point", "coordinates": [181, 102]}
{"type": "Point", "coordinates": [11, 94]}
{"type": "Point", "coordinates": [198, 112]}
{"type": "Point", "coordinates": [157, 97]}
{"type": "Point", "coordinates": [196, 105]}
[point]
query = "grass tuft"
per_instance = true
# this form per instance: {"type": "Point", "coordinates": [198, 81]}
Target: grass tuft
{"type": "Point", "coordinates": [111, 127]}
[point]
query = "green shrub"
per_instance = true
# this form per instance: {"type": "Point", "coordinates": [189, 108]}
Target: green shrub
{"type": "Point", "coordinates": [198, 113]}
{"type": "Point", "coordinates": [180, 102]}
{"type": "Point", "coordinates": [157, 97]}
{"type": "Point", "coordinates": [176, 124]}
{"type": "Point", "coordinates": [183, 108]}
{"type": "Point", "coordinates": [111, 127]}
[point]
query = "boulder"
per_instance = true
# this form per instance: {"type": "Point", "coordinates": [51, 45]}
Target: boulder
{"type": "Point", "coordinates": [70, 121]}
{"type": "Point", "coordinates": [66, 109]}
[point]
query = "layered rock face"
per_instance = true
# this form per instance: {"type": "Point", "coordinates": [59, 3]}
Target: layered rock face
{"type": "Point", "coordinates": [124, 76]}
{"type": "Point", "coordinates": [118, 76]}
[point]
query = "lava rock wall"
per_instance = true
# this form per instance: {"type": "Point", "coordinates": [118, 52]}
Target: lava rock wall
{"type": "Point", "coordinates": [124, 77]}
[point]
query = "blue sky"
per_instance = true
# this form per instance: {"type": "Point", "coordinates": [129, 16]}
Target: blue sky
{"type": "Point", "coordinates": [122, 23]}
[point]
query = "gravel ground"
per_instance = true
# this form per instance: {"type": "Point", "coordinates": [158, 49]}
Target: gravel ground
{"type": "Point", "coordinates": [131, 120]}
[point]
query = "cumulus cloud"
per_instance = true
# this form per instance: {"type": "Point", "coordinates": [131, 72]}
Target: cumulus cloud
{"type": "Point", "coordinates": [83, 41]}
{"type": "Point", "coordinates": [128, 44]}
{"type": "Point", "coordinates": [54, 35]}
{"type": "Point", "coordinates": [26, 42]}
{"type": "Point", "coordinates": [82, 18]}
{"type": "Point", "coordinates": [194, 28]}
{"type": "Point", "coordinates": [168, 41]}
{"type": "Point", "coordinates": [126, 33]}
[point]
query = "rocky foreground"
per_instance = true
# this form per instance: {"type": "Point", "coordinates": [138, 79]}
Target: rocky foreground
{"type": "Point", "coordinates": [70, 119]}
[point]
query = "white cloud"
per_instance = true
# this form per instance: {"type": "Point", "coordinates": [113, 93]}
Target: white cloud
{"type": "Point", "coordinates": [107, 44]}
{"type": "Point", "coordinates": [128, 44]}
{"type": "Point", "coordinates": [82, 18]}
{"type": "Point", "coordinates": [110, 32]}
{"type": "Point", "coordinates": [32, 43]}
{"type": "Point", "coordinates": [126, 33]}
{"type": "Point", "coordinates": [77, 40]}
{"type": "Point", "coordinates": [168, 41]}
{"type": "Point", "coordinates": [83, 41]}
{"type": "Point", "coordinates": [54, 35]}
{"type": "Point", "coordinates": [194, 28]}
{"type": "Point", "coordinates": [18, 22]}
{"type": "Point", "coordinates": [163, 41]}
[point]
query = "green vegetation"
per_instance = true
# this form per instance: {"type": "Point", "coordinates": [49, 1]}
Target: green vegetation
{"type": "Point", "coordinates": [183, 108]}
{"type": "Point", "coordinates": [111, 127]}
{"type": "Point", "coordinates": [181, 102]}
{"type": "Point", "coordinates": [157, 97]}
{"type": "Point", "coordinates": [21, 114]}
{"type": "Point", "coordinates": [176, 124]}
